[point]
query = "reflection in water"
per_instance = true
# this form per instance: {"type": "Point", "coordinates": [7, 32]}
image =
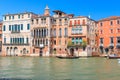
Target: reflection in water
{"type": "Point", "coordinates": [37, 68]}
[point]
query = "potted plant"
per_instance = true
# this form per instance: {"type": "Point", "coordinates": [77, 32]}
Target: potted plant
{"type": "Point", "coordinates": [84, 44]}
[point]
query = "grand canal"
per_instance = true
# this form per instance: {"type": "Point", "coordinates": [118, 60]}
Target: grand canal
{"type": "Point", "coordinates": [36, 68]}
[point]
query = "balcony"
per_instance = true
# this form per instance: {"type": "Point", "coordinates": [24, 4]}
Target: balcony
{"type": "Point", "coordinates": [66, 23]}
{"type": "Point", "coordinates": [60, 23]}
{"type": "Point", "coordinates": [101, 44]}
{"type": "Point", "coordinates": [60, 36]}
{"type": "Point", "coordinates": [53, 36]}
{"type": "Point", "coordinates": [65, 35]}
{"type": "Point", "coordinates": [15, 31]}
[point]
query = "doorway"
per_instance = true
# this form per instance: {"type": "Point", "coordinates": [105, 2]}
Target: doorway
{"type": "Point", "coordinates": [41, 52]}
{"type": "Point", "coordinates": [71, 52]}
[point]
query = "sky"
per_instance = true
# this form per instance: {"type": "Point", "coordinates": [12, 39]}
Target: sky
{"type": "Point", "coordinates": [96, 9]}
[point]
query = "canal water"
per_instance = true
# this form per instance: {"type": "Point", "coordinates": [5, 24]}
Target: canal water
{"type": "Point", "coordinates": [37, 68]}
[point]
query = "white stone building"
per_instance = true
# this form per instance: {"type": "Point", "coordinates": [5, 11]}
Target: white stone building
{"type": "Point", "coordinates": [16, 34]}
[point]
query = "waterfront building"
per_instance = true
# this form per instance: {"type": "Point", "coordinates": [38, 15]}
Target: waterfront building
{"type": "Point", "coordinates": [16, 34]}
{"type": "Point", "coordinates": [40, 28]}
{"type": "Point", "coordinates": [0, 37]}
{"type": "Point", "coordinates": [47, 35]}
{"type": "Point", "coordinates": [109, 33]}
{"type": "Point", "coordinates": [82, 35]}
{"type": "Point", "coordinates": [59, 32]}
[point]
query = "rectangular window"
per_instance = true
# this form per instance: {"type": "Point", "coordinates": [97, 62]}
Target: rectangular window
{"type": "Point", "coordinates": [18, 16]}
{"type": "Point", "coordinates": [101, 31]}
{"type": "Point", "coordinates": [15, 27]}
{"type": "Point", "coordinates": [27, 40]}
{"type": "Point", "coordinates": [66, 22]}
{"type": "Point", "coordinates": [80, 41]}
{"type": "Point", "coordinates": [118, 30]}
{"type": "Point", "coordinates": [118, 39]}
{"type": "Point", "coordinates": [12, 17]}
{"type": "Point", "coordinates": [66, 32]}
{"type": "Point", "coordinates": [12, 27]}
{"type": "Point", "coordinates": [0, 35]}
{"type": "Point", "coordinates": [83, 21]}
{"type": "Point", "coordinates": [60, 32]}
{"type": "Point", "coordinates": [54, 42]}
{"type": "Point", "coordinates": [36, 21]}
{"type": "Point", "coordinates": [111, 30]}
{"type": "Point", "coordinates": [60, 42]}
{"type": "Point", "coordinates": [70, 24]}
{"type": "Point", "coordinates": [54, 21]}
{"type": "Point", "coordinates": [76, 40]}
{"type": "Point", "coordinates": [18, 27]}
{"type": "Point", "coordinates": [111, 23]}
{"type": "Point", "coordinates": [10, 40]}
{"type": "Point", "coordinates": [101, 24]}
{"type": "Point", "coordinates": [9, 17]}
{"type": "Point", "coordinates": [4, 28]}
{"type": "Point", "coordinates": [28, 26]}
{"type": "Point", "coordinates": [46, 41]}
{"type": "Point", "coordinates": [44, 20]}
{"type": "Point", "coordinates": [60, 22]}
{"type": "Point", "coordinates": [20, 40]}
{"type": "Point", "coordinates": [22, 16]}
{"type": "Point", "coordinates": [9, 27]}
{"type": "Point", "coordinates": [21, 26]}
{"type": "Point", "coordinates": [28, 15]}
{"type": "Point", "coordinates": [78, 22]}
{"type": "Point", "coordinates": [118, 21]}
{"type": "Point", "coordinates": [5, 18]}
{"type": "Point", "coordinates": [111, 40]}
{"type": "Point", "coordinates": [4, 40]}
{"type": "Point", "coordinates": [75, 22]}
{"type": "Point", "coordinates": [54, 32]}
{"type": "Point", "coordinates": [101, 40]}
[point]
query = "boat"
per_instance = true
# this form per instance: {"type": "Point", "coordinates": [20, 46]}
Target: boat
{"type": "Point", "coordinates": [113, 56]}
{"type": "Point", "coordinates": [68, 57]}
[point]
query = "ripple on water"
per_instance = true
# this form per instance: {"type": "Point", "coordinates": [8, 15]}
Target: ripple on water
{"type": "Point", "coordinates": [36, 68]}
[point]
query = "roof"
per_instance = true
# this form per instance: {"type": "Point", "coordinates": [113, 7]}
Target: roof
{"type": "Point", "coordinates": [70, 14]}
{"type": "Point", "coordinates": [56, 11]}
{"type": "Point", "coordinates": [8, 14]}
{"type": "Point", "coordinates": [110, 18]}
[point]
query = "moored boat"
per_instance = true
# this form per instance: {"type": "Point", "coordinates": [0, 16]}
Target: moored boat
{"type": "Point", "coordinates": [68, 57]}
{"type": "Point", "coordinates": [113, 56]}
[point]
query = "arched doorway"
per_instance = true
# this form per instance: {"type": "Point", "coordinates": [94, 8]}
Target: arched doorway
{"type": "Point", "coordinates": [24, 50]}
{"type": "Point", "coordinates": [7, 51]}
{"type": "Point", "coordinates": [54, 51]}
{"type": "Point", "coordinates": [101, 49]}
{"type": "Point", "coordinates": [72, 52]}
{"type": "Point", "coordinates": [41, 52]}
{"type": "Point", "coordinates": [11, 51]}
{"type": "Point", "coordinates": [15, 51]}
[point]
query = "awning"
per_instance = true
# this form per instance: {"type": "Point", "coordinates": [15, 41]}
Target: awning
{"type": "Point", "coordinates": [118, 46]}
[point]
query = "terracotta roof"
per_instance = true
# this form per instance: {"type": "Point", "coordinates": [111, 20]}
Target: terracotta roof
{"type": "Point", "coordinates": [110, 18]}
